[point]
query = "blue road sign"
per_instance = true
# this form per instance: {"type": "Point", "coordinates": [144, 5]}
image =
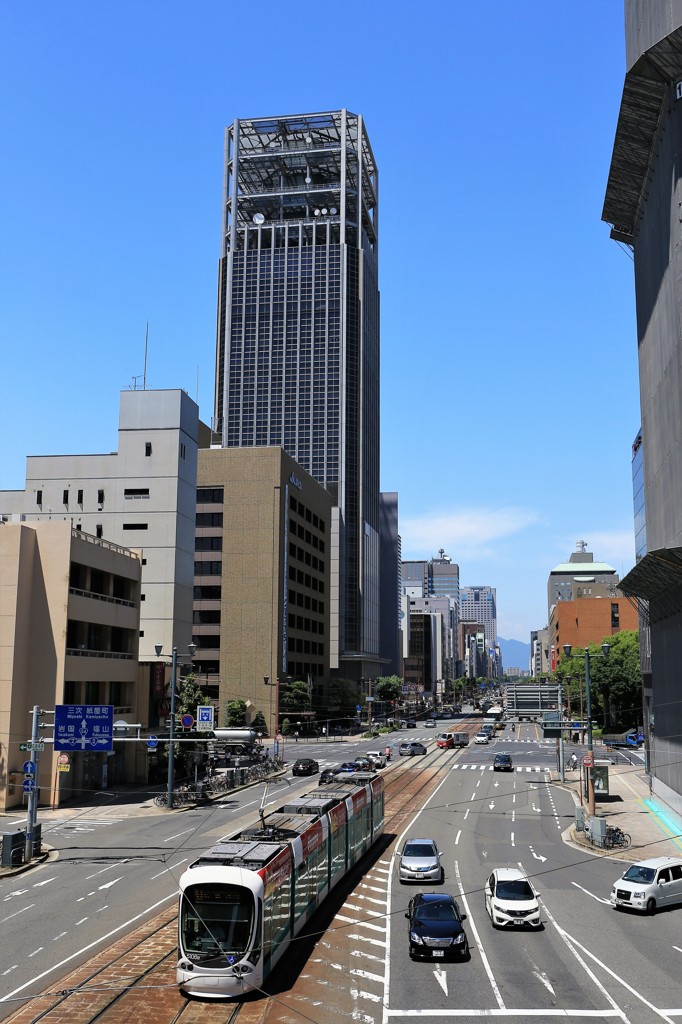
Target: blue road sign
{"type": "Point", "coordinates": [83, 727]}
{"type": "Point", "coordinates": [29, 767]}
{"type": "Point", "coordinates": [187, 721]}
{"type": "Point", "coordinates": [152, 742]}
{"type": "Point", "coordinates": [358, 707]}
{"type": "Point", "coordinates": [205, 716]}
{"type": "Point", "coordinates": [29, 785]}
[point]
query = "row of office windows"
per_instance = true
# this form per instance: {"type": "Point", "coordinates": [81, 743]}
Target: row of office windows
{"type": "Point", "coordinates": [301, 600]}
{"type": "Point", "coordinates": [309, 625]}
{"type": "Point", "coordinates": [298, 530]}
{"type": "Point", "coordinates": [306, 557]}
{"type": "Point", "coordinates": [299, 645]}
{"type": "Point", "coordinates": [305, 579]}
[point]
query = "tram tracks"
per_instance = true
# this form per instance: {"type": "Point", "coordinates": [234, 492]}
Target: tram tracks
{"type": "Point", "coordinates": [135, 978]}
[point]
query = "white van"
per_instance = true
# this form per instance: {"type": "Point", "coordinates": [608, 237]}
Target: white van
{"type": "Point", "coordinates": [649, 885]}
{"type": "Point", "coordinates": [449, 740]}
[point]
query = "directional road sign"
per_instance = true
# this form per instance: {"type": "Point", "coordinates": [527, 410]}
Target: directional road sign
{"type": "Point", "coordinates": [29, 785]}
{"type": "Point", "coordinates": [83, 727]}
{"type": "Point", "coordinates": [205, 717]}
{"type": "Point", "coordinates": [23, 747]}
{"type": "Point", "coordinates": [29, 767]}
{"type": "Point", "coordinates": [152, 742]}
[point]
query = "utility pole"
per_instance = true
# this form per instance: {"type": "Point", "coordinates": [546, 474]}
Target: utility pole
{"type": "Point", "coordinates": [32, 810]}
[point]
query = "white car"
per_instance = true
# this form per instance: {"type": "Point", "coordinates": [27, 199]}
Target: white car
{"type": "Point", "coordinates": [648, 885]}
{"type": "Point", "coordinates": [378, 757]}
{"type": "Point", "coordinates": [511, 900]}
{"type": "Point", "coordinates": [482, 737]}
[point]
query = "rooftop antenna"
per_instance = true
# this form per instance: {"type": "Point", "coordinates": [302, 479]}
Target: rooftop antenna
{"type": "Point", "coordinates": [146, 344]}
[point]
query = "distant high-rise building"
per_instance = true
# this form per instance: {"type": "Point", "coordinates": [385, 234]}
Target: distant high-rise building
{"type": "Point", "coordinates": [298, 335]}
{"type": "Point", "coordinates": [391, 585]}
{"type": "Point", "coordinates": [437, 577]}
{"type": "Point", "coordinates": [581, 576]}
{"type": "Point", "coordinates": [479, 604]}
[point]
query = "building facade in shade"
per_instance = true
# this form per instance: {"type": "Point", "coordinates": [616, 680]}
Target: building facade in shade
{"type": "Point", "coordinates": [437, 577]}
{"type": "Point", "coordinates": [391, 585]}
{"type": "Point", "coordinates": [69, 623]}
{"type": "Point", "coordinates": [261, 578]}
{"type": "Point", "coordinates": [297, 361]}
{"type": "Point", "coordinates": [642, 205]}
{"type": "Point", "coordinates": [479, 604]}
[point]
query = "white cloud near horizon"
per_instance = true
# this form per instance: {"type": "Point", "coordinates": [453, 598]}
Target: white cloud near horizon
{"type": "Point", "coordinates": [467, 532]}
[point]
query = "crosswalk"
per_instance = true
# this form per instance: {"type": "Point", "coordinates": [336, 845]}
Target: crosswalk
{"type": "Point", "coordinates": [83, 824]}
{"type": "Point", "coordinates": [526, 768]}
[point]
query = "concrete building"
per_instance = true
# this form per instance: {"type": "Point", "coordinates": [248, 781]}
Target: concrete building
{"type": "Point", "coordinates": [69, 624]}
{"type": "Point", "coordinates": [479, 604]}
{"type": "Point", "coordinates": [447, 638]}
{"type": "Point", "coordinates": [642, 204]}
{"type": "Point", "coordinates": [581, 576]}
{"type": "Point", "coordinates": [262, 572]}
{"type": "Point", "coordinates": [540, 664]}
{"type": "Point", "coordinates": [298, 336]}
{"type": "Point", "coordinates": [423, 666]}
{"type": "Point", "coordinates": [437, 578]}
{"type": "Point", "coordinates": [141, 496]}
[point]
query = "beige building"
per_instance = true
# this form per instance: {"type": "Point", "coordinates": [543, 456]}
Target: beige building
{"type": "Point", "coordinates": [69, 625]}
{"type": "Point", "coordinates": [261, 576]}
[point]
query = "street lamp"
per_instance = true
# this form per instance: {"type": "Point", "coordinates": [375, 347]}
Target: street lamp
{"type": "Point", "coordinates": [273, 725]}
{"type": "Point", "coordinates": [605, 648]}
{"type": "Point", "coordinates": [171, 750]}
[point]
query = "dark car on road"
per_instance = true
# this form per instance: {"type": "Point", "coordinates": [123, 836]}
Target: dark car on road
{"type": "Point", "coordinates": [503, 763]}
{"type": "Point", "coordinates": [305, 766]}
{"type": "Point", "coordinates": [435, 927]}
{"type": "Point", "coordinates": [327, 776]}
{"type": "Point", "coordinates": [349, 766]}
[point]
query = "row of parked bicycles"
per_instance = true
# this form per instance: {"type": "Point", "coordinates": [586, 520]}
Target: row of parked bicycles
{"type": "Point", "coordinates": [615, 837]}
{"type": "Point", "coordinates": [190, 793]}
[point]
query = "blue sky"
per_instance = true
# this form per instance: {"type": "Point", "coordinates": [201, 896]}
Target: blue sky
{"type": "Point", "coordinates": [509, 367]}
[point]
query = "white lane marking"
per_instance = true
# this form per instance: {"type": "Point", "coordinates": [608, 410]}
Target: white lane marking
{"type": "Point", "coordinates": [442, 979]}
{"type": "Point", "coordinates": [473, 795]}
{"type": "Point", "coordinates": [108, 885]}
{"type": "Point", "coordinates": [36, 885]}
{"type": "Point", "coordinates": [541, 976]}
{"type": "Point", "coordinates": [369, 899]}
{"type": "Point", "coordinates": [569, 942]}
{"type": "Point", "coordinates": [366, 938]}
{"type": "Point", "coordinates": [109, 867]}
{"type": "Point", "coordinates": [366, 975]}
{"type": "Point", "coordinates": [10, 969]}
{"type": "Point", "coordinates": [373, 915]}
{"type": "Point", "coordinates": [178, 834]}
{"type": "Point", "coordinates": [513, 817]}
{"type": "Point", "coordinates": [38, 950]}
{"type": "Point", "coordinates": [512, 839]}
{"type": "Point", "coordinates": [60, 936]}
{"type": "Point", "coordinates": [359, 994]}
{"type": "Point", "coordinates": [359, 924]}
{"type": "Point", "coordinates": [16, 914]}
{"type": "Point", "coordinates": [477, 938]}
{"type": "Point", "coordinates": [678, 949]}
{"type": "Point", "coordinates": [587, 892]}
{"type": "Point", "coordinates": [171, 867]}
{"type": "Point", "coordinates": [538, 856]}
{"type": "Point", "coordinates": [457, 837]}
{"type": "Point", "coordinates": [466, 815]}
{"type": "Point", "coordinates": [491, 805]}
{"type": "Point", "coordinates": [81, 921]}
{"type": "Point", "coordinates": [661, 1013]}
{"type": "Point", "coordinates": [126, 924]}
{"type": "Point", "coordinates": [100, 909]}
{"type": "Point", "coordinates": [372, 888]}
{"type": "Point", "coordinates": [15, 892]}
{"type": "Point", "coordinates": [366, 956]}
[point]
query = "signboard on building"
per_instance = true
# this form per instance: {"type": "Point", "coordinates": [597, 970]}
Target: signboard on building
{"type": "Point", "coordinates": [84, 727]}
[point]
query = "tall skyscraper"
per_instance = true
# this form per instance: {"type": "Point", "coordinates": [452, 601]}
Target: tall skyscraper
{"type": "Point", "coordinates": [297, 360]}
{"type": "Point", "coordinates": [479, 604]}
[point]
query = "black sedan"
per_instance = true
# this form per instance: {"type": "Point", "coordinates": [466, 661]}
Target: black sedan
{"type": "Point", "coordinates": [435, 927]}
{"type": "Point", "coordinates": [327, 776]}
{"type": "Point", "coordinates": [305, 766]}
{"type": "Point", "coordinates": [503, 763]}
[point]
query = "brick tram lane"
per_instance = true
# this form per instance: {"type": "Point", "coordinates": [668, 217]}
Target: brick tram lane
{"type": "Point", "coordinates": [135, 977]}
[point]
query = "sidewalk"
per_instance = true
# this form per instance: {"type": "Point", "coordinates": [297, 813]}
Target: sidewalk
{"type": "Point", "coordinates": [628, 806]}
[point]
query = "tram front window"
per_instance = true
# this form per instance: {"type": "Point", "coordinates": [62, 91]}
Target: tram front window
{"type": "Point", "coordinates": [216, 921]}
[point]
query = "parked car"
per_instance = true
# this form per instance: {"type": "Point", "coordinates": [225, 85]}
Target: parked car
{"type": "Point", "coordinates": [503, 763]}
{"type": "Point", "coordinates": [377, 757]}
{"type": "Point", "coordinates": [305, 766]}
{"type": "Point", "coordinates": [408, 723]}
{"type": "Point", "coordinates": [648, 885]}
{"type": "Point", "coordinates": [482, 737]}
{"type": "Point", "coordinates": [327, 776]}
{"type": "Point", "coordinates": [511, 900]}
{"type": "Point", "coordinates": [409, 749]}
{"type": "Point", "coordinates": [430, 723]}
{"type": "Point", "coordinates": [420, 861]}
{"type": "Point", "coordinates": [435, 927]}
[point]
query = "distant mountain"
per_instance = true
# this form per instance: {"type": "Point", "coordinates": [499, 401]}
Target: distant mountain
{"type": "Point", "coordinates": [515, 654]}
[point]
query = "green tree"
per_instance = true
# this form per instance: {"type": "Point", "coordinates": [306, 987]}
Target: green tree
{"type": "Point", "coordinates": [188, 696]}
{"type": "Point", "coordinates": [235, 714]}
{"type": "Point", "coordinates": [615, 682]}
{"type": "Point", "coordinates": [388, 688]}
{"type": "Point", "coordinates": [295, 697]}
{"type": "Point", "coordinates": [259, 723]}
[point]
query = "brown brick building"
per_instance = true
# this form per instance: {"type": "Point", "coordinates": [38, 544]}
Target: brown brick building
{"type": "Point", "coordinates": [587, 620]}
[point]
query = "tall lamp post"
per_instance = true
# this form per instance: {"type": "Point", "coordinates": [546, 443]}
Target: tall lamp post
{"type": "Point", "coordinates": [273, 725]}
{"type": "Point", "coordinates": [171, 750]}
{"type": "Point", "coordinates": [605, 648]}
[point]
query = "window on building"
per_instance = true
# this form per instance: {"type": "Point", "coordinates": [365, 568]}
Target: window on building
{"type": "Point", "coordinates": [615, 616]}
{"type": "Point", "coordinates": [39, 497]}
{"type": "Point", "coordinates": [135, 526]}
{"type": "Point", "coordinates": [80, 497]}
{"type": "Point", "coordinates": [100, 496]}
{"type": "Point", "coordinates": [210, 495]}
{"type": "Point", "coordinates": [209, 519]}
{"type": "Point", "coordinates": [78, 527]}
{"type": "Point", "coordinates": [115, 693]}
{"type": "Point", "coordinates": [147, 448]}
{"type": "Point", "coordinates": [98, 530]}
{"type": "Point", "coordinates": [183, 451]}
{"type": "Point", "coordinates": [92, 692]}
{"type": "Point", "coordinates": [65, 496]}
{"type": "Point", "coordinates": [136, 492]}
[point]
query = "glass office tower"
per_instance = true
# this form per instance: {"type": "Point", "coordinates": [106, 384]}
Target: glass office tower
{"type": "Point", "coordinates": [297, 360]}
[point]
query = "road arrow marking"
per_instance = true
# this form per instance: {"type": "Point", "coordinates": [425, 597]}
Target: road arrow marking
{"type": "Point", "coordinates": [537, 809]}
{"type": "Point", "coordinates": [537, 856]}
{"type": "Point", "coordinates": [108, 885]}
{"type": "Point", "coordinates": [492, 805]}
{"type": "Point", "coordinates": [496, 783]}
{"type": "Point", "coordinates": [541, 976]}
{"type": "Point", "coordinates": [442, 979]}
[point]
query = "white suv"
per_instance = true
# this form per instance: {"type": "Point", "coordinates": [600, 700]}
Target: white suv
{"type": "Point", "coordinates": [378, 757]}
{"type": "Point", "coordinates": [650, 884]}
{"type": "Point", "coordinates": [511, 900]}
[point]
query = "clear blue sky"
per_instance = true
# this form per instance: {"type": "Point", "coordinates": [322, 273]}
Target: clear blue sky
{"type": "Point", "coordinates": [509, 371]}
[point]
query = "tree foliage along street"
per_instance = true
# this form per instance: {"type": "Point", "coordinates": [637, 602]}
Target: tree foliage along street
{"type": "Point", "coordinates": [615, 682]}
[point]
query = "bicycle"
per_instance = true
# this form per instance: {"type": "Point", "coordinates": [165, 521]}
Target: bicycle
{"type": "Point", "coordinates": [616, 837]}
